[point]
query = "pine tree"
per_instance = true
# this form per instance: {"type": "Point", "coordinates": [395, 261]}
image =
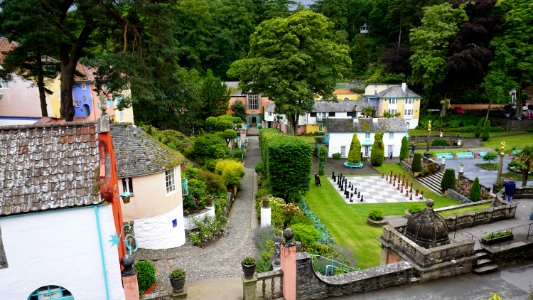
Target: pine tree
{"type": "Point", "coordinates": [416, 166]}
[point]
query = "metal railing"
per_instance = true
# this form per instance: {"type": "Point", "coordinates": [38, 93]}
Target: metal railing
{"type": "Point", "coordinates": [329, 267]}
{"type": "Point", "coordinates": [271, 275]}
{"type": "Point", "coordinates": [520, 233]}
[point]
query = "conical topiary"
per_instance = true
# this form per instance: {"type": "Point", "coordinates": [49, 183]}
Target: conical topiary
{"type": "Point", "coordinates": [475, 191]}
{"type": "Point", "coordinates": [448, 180]}
{"type": "Point", "coordinates": [354, 156]}
{"type": "Point", "coordinates": [377, 156]}
{"type": "Point", "coordinates": [404, 150]}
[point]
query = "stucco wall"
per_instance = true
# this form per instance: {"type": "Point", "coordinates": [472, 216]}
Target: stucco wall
{"type": "Point", "coordinates": [161, 232]}
{"type": "Point", "coordinates": [150, 196]}
{"type": "Point", "coordinates": [21, 99]}
{"type": "Point", "coordinates": [60, 248]}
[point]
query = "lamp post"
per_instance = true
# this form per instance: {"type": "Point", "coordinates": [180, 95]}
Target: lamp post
{"type": "Point", "coordinates": [427, 154]}
{"type": "Point", "coordinates": [500, 167]}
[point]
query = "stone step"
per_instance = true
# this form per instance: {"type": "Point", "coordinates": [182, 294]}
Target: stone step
{"type": "Point", "coordinates": [481, 254]}
{"type": "Point", "coordinates": [485, 269]}
{"type": "Point", "coordinates": [483, 261]}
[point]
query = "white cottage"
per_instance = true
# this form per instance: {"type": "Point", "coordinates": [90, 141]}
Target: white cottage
{"type": "Point", "coordinates": [151, 173]}
{"type": "Point", "coordinates": [57, 213]}
{"type": "Point", "coordinates": [340, 132]}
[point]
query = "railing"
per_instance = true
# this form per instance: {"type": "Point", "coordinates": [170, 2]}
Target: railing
{"type": "Point", "coordinates": [520, 233]}
{"type": "Point", "coordinates": [329, 267]}
{"type": "Point", "coordinates": [271, 275]}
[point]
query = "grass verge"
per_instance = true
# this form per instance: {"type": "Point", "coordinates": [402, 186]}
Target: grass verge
{"type": "Point", "coordinates": [464, 210]}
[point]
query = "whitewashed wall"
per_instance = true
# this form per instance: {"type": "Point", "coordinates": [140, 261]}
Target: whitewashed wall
{"type": "Point", "coordinates": [337, 140]}
{"type": "Point", "coordinates": [209, 211]}
{"type": "Point", "coordinates": [159, 232]}
{"type": "Point", "coordinates": [60, 248]}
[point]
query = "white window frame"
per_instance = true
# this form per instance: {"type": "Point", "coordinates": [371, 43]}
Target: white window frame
{"type": "Point", "coordinates": [252, 101]}
{"type": "Point", "coordinates": [127, 185]}
{"type": "Point", "coordinates": [170, 182]}
{"type": "Point", "coordinates": [367, 135]}
{"type": "Point", "coordinates": [83, 86]}
{"type": "Point", "coordinates": [343, 151]}
{"type": "Point", "coordinates": [391, 135]}
{"type": "Point", "coordinates": [4, 84]}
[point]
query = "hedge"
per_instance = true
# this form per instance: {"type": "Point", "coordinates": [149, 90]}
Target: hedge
{"type": "Point", "coordinates": [417, 162]}
{"type": "Point", "coordinates": [354, 156]}
{"type": "Point", "coordinates": [378, 150]}
{"type": "Point", "coordinates": [475, 191]}
{"type": "Point", "coordinates": [404, 150]}
{"type": "Point", "coordinates": [448, 180]}
{"type": "Point", "coordinates": [322, 156]}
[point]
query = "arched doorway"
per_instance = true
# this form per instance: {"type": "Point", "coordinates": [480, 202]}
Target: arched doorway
{"type": "Point", "coordinates": [253, 120]}
{"type": "Point", "coordinates": [51, 292]}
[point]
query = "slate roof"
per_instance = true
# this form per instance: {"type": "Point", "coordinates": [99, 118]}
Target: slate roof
{"type": "Point", "coordinates": [5, 46]}
{"type": "Point", "coordinates": [397, 92]}
{"type": "Point", "coordinates": [138, 154]}
{"type": "Point", "coordinates": [340, 106]}
{"type": "Point", "coordinates": [48, 166]}
{"type": "Point", "coordinates": [366, 125]}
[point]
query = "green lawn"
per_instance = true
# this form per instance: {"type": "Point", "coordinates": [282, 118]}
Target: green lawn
{"type": "Point", "coordinates": [306, 138]}
{"type": "Point", "coordinates": [518, 141]}
{"type": "Point", "coordinates": [464, 210]}
{"type": "Point", "coordinates": [347, 223]}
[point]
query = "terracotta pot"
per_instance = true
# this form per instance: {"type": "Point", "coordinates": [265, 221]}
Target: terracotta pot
{"type": "Point", "coordinates": [150, 289]}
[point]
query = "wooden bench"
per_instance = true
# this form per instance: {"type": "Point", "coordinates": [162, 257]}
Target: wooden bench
{"type": "Point", "coordinates": [358, 165]}
{"type": "Point", "coordinates": [444, 155]}
{"type": "Point", "coordinates": [464, 155]}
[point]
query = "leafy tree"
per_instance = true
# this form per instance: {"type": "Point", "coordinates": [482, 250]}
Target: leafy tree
{"type": "Point", "coordinates": [209, 146]}
{"type": "Point", "coordinates": [238, 109]}
{"type": "Point", "coordinates": [430, 43]}
{"type": "Point", "coordinates": [490, 156]}
{"type": "Point", "coordinates": [479, 128]}
{"type": "Point", "coordinates": [486, 135]}
{"type": "Point", "coordinates": [231, 172]}
{"type": "Point", "coordinates": [404, 150]}
{"type": "Point", "coordinates": [526, 159]}
{"type": "Point", "coordinates": [227, 135]}
{"type": "Point", "coordinates": [475, 191]}
{"type": "Point", "coordinates": [512, 66]}
{"type": "Point", "coordinates": [291, 60]}
{"type": "Point", "coordinates": [448, 180]}
{"type": "Point", "coordinates": [377, 154]}
{"type": "Point", "coordinates": [354, 156]}
{"type": "Point", "coordinates": [223, 122]}
{"type": "Point", "coordinates": [416, 166]}
{"type": "Point", "coordinates": [215, 96]}
{"type": "Point", "coordinates": [369, 111]}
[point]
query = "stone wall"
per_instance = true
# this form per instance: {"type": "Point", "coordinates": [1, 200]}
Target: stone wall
{"type": "Point", "coordinates": [455, 195]}
{"type": "Point", "coordinates": [523, 193]}
{"type": "Point", "coordinates": [512, 255]}
{"type": "Point", "coordinates": [490, 215]}
{"type": "Point", "coordinates": [512, 125]}
{"type": "Point", "coordinates": [417, 139]}
{"type": "Point", "coordinates": [310, 285]}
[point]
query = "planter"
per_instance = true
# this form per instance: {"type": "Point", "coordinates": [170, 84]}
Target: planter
{"type": "Point", "coordinates": [497, 240]}
{"type": "Point", "coordinates": [150, 289]}
{"type": "Point", "coordinates": [376, 223]}
{"type": "Point", "coordinates": [177, 283]}
{"type": "Point", "coordinates": [248, 271]}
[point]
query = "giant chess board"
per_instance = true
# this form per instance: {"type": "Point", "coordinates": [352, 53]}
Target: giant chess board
{"type": "Point", "coordinates": [374, 189]}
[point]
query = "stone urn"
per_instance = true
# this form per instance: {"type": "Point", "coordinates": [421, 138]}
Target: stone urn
{"type": "Point", "coordinates": [248, 267]}
{"type": "Point", "coordinates": [177, 280]}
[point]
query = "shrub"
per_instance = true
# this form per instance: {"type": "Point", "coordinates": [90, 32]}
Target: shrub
{"type": "Point", "coordinates": [497, 234]}
{"type": "Point", "coordinates": [354, 155]}
{"type": "Point", "coordinates": [209, 146]}
{"type": "Point", "coordinates": [322, 157]}
{"type": "Point", "coordinates": [325, 236]}
{"type": "Point", "coordinates": [415, 209]}
{"type": "Point", "coordinates": [195, 201]}
{"type": "Point", "coordinates": [448, 180]}
{"type": "Point", "coordinates": [320, 170]}
{"type": "Point", "coordinates": [490, 156]}
{"type": "Point", "coordinates": [214, 182]}
{"type": "Point", "coordinates": [264, 241]}
{"type": "Point", "coordinates": [223, 122]}
{"type": "Point", "coordinates": [336, 155]}
{"type": "Point", "coordinates": [440, 142]}
{"type": "Point", "coordinates": [378, 150]}
{"type": "Point", "coordinates": [238, 154]}
{"type": "Point", "coordinates": [486, 135]}
{"type": "Point", "coordinates": [416, 166]}
{"type": "Point", "coordinates": [376, 214]}
{"type": "Point", "coordinates": [177, 273]}
{"type": "Point", "coordinates": [475, 191]}
{"type": "Point", "coordinates": [145, 275]}
{"type": "Point", "coordinates": [248, 260]}
{"type": "Point", "coordinates": [260, 168]}
{"type": "Point", "coordinates": [208, 228]}
{"type": "Point", "coordinates": [479, 128]}
{"type": "Point", "coordinates": [404, 150]}
{"type": "Point", "coordinates": [307, 234]}
{"type": "Point", "coordinates": [231, 172]}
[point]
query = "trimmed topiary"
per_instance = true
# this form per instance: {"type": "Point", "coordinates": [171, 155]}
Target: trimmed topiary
{"type": "Point", "coordinates": [354, 156]}
{"type": "Point", "coordinates": [448, 180]}
{"type": "Point", "coordinates": [377, 156]}
{"type": "Point", "coordinates": [145, 275]}
{"type": "Point", "coordinates": [404, 150]}
{"type": "Point", "coordinates": [479, 128]}
{"type": "Point", "coordinates": [475, 191]}
{"type": "Point", "coordinates": [376, 215]}
{"type": "Point", "coordinates": [416, 166]}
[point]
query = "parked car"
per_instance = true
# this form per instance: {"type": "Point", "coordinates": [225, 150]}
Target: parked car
{"type": "Point", "coordinates": [458, 110]}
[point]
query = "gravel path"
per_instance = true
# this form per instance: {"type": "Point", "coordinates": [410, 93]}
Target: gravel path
{"type": "Point", "coordinates": [221, 259]}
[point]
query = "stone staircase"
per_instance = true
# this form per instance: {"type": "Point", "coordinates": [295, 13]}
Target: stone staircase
{"type": "Point", "coordinates": [432, 182]}
{"type": "Point", "coordinates": [484, 264]}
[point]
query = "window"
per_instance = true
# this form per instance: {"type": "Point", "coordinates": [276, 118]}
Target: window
{"type": "Point", "coordinates": [350, 114]}
{"type": "Point", "coordinates": [408, 112]}
{"type": "Point", "coordinates": [391, 135]}
{"type": "Point", "coordinates": [127, 185]}
{"type": "Point", "coordinates": [320, 127]}
{"type": "Point", "coordinates": [343, 151]}
{"type": "Point", "coordinates": [312, 114]}
{"type": "Point", "coordinates": [409, 101]}
{"type": "Point", "coordinates": [320, 116]}
{"type": "Point", "coordinates": [3, 258]}
{"type": "Point", "coordinates": [253, 101]}
{"type": "Point", "coordinates": [331, 114]}
{"type": "Point", "coordinates": [346, 99]}
{"type": "Point", "coordinates": [83, 86]}
{"type": "Point", "coordinates": [51, 292]}
{"type": "Point", "coordinates": [367, 148]}
{"type": "Point", "coordinates": [392, 112]}
{"type": "Point", "coordinates": [392, 101]}
{"type": "Point", "coordinates": [3, 84]}
{"type": "Point", "coordinates": [169, 181]}
{"type": "Point", "coordinates": [367, 135]}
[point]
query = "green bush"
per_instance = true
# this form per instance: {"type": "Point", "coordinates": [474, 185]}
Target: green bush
{"type": "Point", "coordinates": [178, 273]}
{"type": "Point", "coordinates": [336, 155]}
{"type": "Point", "coordinates": [209, 146]}
{"type": "Point", "coordinates": [231, 172]}
{"type": "Point", "coordinates": [416, 166]}
{"type": "Point", "coordinates": [264, 241]}
{"type": "Point", "coordinates": [208, 227]}
{"type": "Point", "coordinates": [196, 199]}
{"type": "Point", "coordinates": [214, 182]}
{"type": "Point", "coordinates": [415, 209]}
{"type": "Point", "coordinates": [320, 170]}
{"type": "Point", "coordinates": [322, 157]}
{"type": "Point", "coordinates": [479, 128]}
{"type": "Point", "coordinates": [404, 150]}
{"type": "Point", "coordinates": [475, 191]}
{"type": "Point", "coordinates": [486, 135]}
{"type": "Point", "coordinates": [378, 150]}
{"type": "Point", "coordinates": [354, 155]}
{"type": "Point", "coordinates": [145, 275]}
{"type": "Point", "coordinates": [490, 156]}
{"type": "Point", "coordinates": [307, 234]}
{"type": "Point", "coordinates": [448, 180]}
{"type": "Point", "coordinates": [223, 122]}
{"type": "Point", "coordinates": [260, 168]}
{"type": "Point", "coordinates": [376, 214]}
{"type": "Point", "coordinates": [440, 142]}
{"type": "Point", "coordinates": [325, 236]}
{"type": "Point", "coordinates": [497, 234]}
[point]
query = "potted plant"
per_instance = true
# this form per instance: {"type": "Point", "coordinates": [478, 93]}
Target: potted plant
{"type": "Point", "coordinates": [497, 237]}
{"type": "Point", "coordinates": [375, 218]}
{"type": "Point", "coordinates": [177, 279]}
{"type": "Point", "coordinates": [248, 267]}
{"type": "Point", "coordinates": [146, 278]}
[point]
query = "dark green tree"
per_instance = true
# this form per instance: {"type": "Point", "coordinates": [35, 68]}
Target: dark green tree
{"type": "Point", "coordinates": [416, 165]}
{"type": "Point", "coordinates": [322, 158]}
{"type": "Point", "coordinates": [404, 150]}
{"type": "Point", "coordinates": [475, 191]}
{"type": "Point", "coordinates": [486, 134]}
{"type": "Point", "coordinates": [526, 160]}
{"type": "Point", "coordinates": [377, 154]}
{"type": "Point", "coordinates": [215, 96]}
{"type": "Point", "coordinates": [479, 128]}
{"type": "Point", "coordinates": [238, 109]}
{"type": "Point", "coordinates": [354, 155]}
{"type": "Point", "coordinates": [448, 180]}
{"type": "Point", "coordinates": [291, 60]}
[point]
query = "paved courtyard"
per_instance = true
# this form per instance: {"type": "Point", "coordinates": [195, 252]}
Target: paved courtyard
{"type": "Point", "coordinates": [374, 189]}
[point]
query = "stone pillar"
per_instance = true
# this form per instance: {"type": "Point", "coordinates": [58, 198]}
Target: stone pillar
{"type": "Point", "coordinates": [129, 278]}
{"type": "Point", "coordinates": [288, 266]}
{"type": "Point", "coordinates": [249, 287]}
{"type": "Point", "coordinates": [266, 214]}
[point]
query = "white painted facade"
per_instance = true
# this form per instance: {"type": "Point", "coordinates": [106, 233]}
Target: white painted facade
{"type": "Point", "coordinates": [61, 247]}
{"type": "Point", "coordinates": [209, 211]}
{"type": "Point", "coordinates": [340, 143]}
{"type": "Point", "coordinates": [161, 232]}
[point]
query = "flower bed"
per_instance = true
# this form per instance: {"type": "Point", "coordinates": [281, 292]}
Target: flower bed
{"type": "Point", "coordinates": [497, 237]}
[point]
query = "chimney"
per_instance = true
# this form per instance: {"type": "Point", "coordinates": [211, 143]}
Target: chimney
{"type": "Point", "coordinates": [404, 87]}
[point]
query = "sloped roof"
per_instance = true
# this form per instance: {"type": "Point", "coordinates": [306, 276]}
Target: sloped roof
{"type": "Point", "coordinates": [138, 154]}
{"type": "Point", "coordinates": [48, 166]}
{"type": "Point", "coordinates": [397, 92]}
{"type": "Point", "coordinates": [5, 46]}
{"type": "Point", "coordinates": [234, 89]}
{"type": "Point", "coordinates": [86, 73]}
{"type": "Point", "coordinates": [366, 125]}
{"type": "Point", "coordinates": [330, 106]}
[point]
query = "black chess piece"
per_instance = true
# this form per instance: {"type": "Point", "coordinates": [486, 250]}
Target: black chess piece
{"type": "Point", "coordinates": [355, 190]}
{"type": "Point", "coordinates": [361, 198]}
{"type": "Point", "coordinates": [358, 194]}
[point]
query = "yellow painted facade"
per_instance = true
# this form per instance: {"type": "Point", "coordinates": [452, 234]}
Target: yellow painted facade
{"type": "Point", "coordinates": [310, 128]}
{"type": "Point", "coordinates": [55, 98]}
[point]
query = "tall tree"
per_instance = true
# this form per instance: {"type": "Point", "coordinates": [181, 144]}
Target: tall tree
{"type": "Point", "coordinates": [512, 66]}
{"type": "Point", "coordinates": [215, 96]}
{"type": "Point", "coordinates": [28, 59]}
{"type": "Point", "coordinates": [291, 60]}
